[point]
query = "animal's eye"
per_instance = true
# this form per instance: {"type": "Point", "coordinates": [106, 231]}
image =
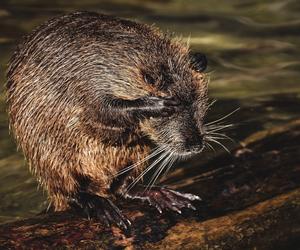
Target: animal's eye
{"type": "Point", "coordinates": [198, 62]}
{"type": "Point", "coordinates": [149, 79]}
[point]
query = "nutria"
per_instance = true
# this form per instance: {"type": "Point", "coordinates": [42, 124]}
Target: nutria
{"type": "Point", "coordinates": [89, 95]}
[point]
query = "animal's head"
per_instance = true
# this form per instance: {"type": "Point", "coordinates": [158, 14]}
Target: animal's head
{"type": "Point", "coordinates": [153, 64]}
{"type": "Point", "coordinates": [175, 71]}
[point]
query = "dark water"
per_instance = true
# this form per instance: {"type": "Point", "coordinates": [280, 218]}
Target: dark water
{"type": "Point", "coordinates": [253, 49]}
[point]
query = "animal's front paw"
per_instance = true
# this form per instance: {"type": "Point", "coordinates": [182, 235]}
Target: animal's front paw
{"type": "Point", "coordinates": [165, 199]}
{"type": "Point", "coordinates": [101, 208]}
{"type": "Point", "coordinates": [163, 106]}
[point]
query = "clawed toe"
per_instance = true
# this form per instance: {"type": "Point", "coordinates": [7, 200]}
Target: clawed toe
{"type": "Point", "coordinates": [178, 201]}
{"type": "Point", "coordinates": [101, 208]}
{"type": "Point", "coordinates": [188, 196]}
{"type": "Point", "coordinates": [167, 199]}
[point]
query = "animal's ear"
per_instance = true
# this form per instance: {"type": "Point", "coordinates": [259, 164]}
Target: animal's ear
{"type": "Point", "coordinates": [198, 61]}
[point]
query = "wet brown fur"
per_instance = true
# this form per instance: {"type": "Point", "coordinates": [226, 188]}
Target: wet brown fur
{"type": "Point", "coordinates": [53, 100]}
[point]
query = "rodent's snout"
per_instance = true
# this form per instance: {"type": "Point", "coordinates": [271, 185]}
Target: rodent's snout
{"type": "Point", "coordinates": [188, 132]}
{"type": "Point", "coordinates": [194, 144]}
{"type": "Point", "coordinates": [179, 127]}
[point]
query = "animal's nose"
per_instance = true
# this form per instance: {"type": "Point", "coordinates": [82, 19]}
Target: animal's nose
{"type": "Point", "coordinates": [194, 143]}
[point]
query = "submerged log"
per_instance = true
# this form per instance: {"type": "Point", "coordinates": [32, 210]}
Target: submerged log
{"type": "Point", "coordinates": [251, 200]}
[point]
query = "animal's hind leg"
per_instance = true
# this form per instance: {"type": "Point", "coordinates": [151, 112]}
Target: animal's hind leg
{"type": "Point", "coordinates": [102, 208]}
{"type": "Point", "coordinates": [93, 202]}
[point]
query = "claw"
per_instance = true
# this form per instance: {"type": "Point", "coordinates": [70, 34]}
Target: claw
{"type": "Point", "coordinates": [101, 208]}
{"type": "Point", "coordinates": [158, 208]}
{"type": "Point", "coordinates": [166, 199]}
{"type": "Point", "coordinates": [188, 196]}
{"type": "Point", "coordinates": [191, 207]}
{"type": "Point", "coordinates": [175, 209]}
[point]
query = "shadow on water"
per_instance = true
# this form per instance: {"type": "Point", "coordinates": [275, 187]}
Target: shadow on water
{"type": "Point", "coordinates": [253, 49]}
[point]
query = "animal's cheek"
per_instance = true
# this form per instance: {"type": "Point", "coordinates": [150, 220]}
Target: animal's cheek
{"type": "Point", "coordinates": [148, 128]}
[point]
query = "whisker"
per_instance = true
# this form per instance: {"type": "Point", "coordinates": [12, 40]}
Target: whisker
{"type": "Point", "coordinates": [216, 133]}
{"type": "Point", "coordinates": [210, 146]}
{"type": "Point", "coordinates": [174, 158]}
{"type": "Point", "coordinates": [219, 125]}
{"type": "Point", "coordinates": [222, 118]}
{"type": "Point", "coordinates": [220, 128]}
{"type": "Point", "coordinates": [223, 136]}
{"type": "Point", "coordinates": [216, 137]}
{"type": "Point", "coordinates": [158, 172]}
{"type": "Point", "coordinates": [211, 103]}
{"type": "Point", "coordinates": [215, 141]}
{"type": "Point", "coordinates": [141, 175]}
{"type": "Point", "coordinates": [153, 154]}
